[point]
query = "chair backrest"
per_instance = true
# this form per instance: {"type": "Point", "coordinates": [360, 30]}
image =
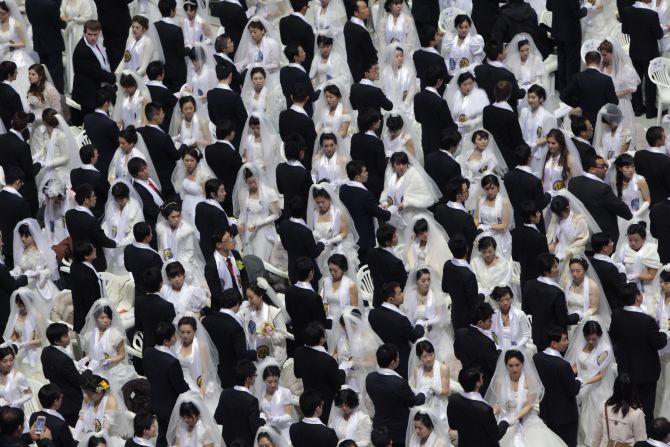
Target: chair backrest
{"type": "Point", "coordinates": [82, 138]}
{"type": "Point", "coordinates": [364, 283]}
{"type": "Point", "coordinates": [33, 404]}
{"type": "Point", "coordinates": [546, 18]}
{"type": "Point", "coordinates": [445, 22]}
{"type": "Point", "coordinates": [658, 71]}
{"type": "Point", "coordinates": [621, 38]}
{"type": "Point", "coordinates": [587, 46]}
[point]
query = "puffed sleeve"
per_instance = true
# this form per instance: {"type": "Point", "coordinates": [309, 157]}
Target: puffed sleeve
{"type": "Point", "coordinates": [477, 47]}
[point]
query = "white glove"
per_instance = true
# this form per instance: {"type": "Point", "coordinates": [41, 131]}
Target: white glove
{"type": "Point", "coordinates": [30, 273]}
{"type": "Point", "coordinates": [346, 366]}
{"type": "Point", "coordinates": [632, 277]}
{"type": "Point", "coordinates": [421, 322]}
{"type": "Point", "coordinates": [322, 241]}
{"type": "Point", "coordinates": [334, 240]}
{"type": "Point", "coordinates": [392, 209]}
{"type": "Point", "coordinates": [82, 364]}
{"type": "Point", "coordinates": [262, 283]}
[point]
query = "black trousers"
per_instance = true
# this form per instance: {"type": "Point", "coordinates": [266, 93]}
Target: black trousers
{"type": "Point", "coordinates": [115, 46]}
{"type": "Point", "coordinates": [71, 419]}
{"type": "Point", "coordinates": [567, 432]}
{"type": "Point", "coordinates": [54, 62]}
{"type": "Point", "coordinates": [649, 97]}
{"type": "Point", "coordinates": [161, 439]}
{"type": "Point", "coordinates": [568, 62]}
{"type": "Point", "coordinates": [646, 392]}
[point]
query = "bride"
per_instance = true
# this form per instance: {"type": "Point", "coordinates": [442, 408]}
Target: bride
{"type": "Point", "coordinates": [190, 123]}
{"type": "Point", "coordinates": [262, 95]}
{"type": "Point", "coordinates": [426, 246]}
{"type": "Point", "coordinates": [132, 96]}
{"type": "Point", "coordinates": [102, 411]}
{"type": "Point", "coordinates": [641, 259]}
{"type": "Point", "coordinates": [265, 324]}
{"type": "Point", "coordinates": [348, 418]}
{"type": "Point", "coordinates": [515, 391]}
{"type": "Point", "coordinates": [57, 150]}
{"type": "Point", "coordinates": [26, 328]}
{"type": "Point", "coordinates": [425, 429]}
{"type": "Point", "coordinates": [34, 258]}
{"type": "Point", "coordinates": [570, 226]}
{"type": "Point", "coordinates": [189, 179]}
{"type": "Point", "coordinates": [142, 47]}
{"type": "Point", "coordinates": [338, 290]}
{"type": "Point", "coordinates": [274, 400]}
{"type": "Point", "coordinates": [185, 298]}
{"type": "Point", "coordinates": [177, 240]}
{"type": "Point", "coordinates": [259, 45]}
{"type": "Point", "coordinates": [329, 219]}
{"type": "Point", "coordinates": [329, 160]}
{"type": "Point", "coordinates": [14, 387]}
{"type": "Point", "coordinates": [256, 206]}
{"type": "Point", "coordinates": [330, 63]}
{"type": "Point", "coordinates": [492, 268]}
{"type": "Point", "coordinates": [591, 356]}
{"type": "Point", "coordinates": [260, 143]}
{"type": "Point", "coordinates": [131, 145]}
{"type": "Point", "coordinates": [466, 101]}
{"type": "Point", "coordinates": [431, 376]}
{"type": "Point", "coordinates": [200, 72]}
{"type": "Point", "coordinates": [399, 77]}
{"type": "Point", "coordinates": [191, 423]}
{"type": "Point", "coordinates": [332, 110]}
{"type": "Point", "coordinates": [583, 293]}
{"type": "Point", "coordinates": [395, 25]}
{"type": "Point", "coordinates": [494, 214]}
{"type": "Point", "coordinates": [104, 342]}
{"type": "Point", "coordinates": [123, 210]}
{"type": "Point", "coordinates": [480, 156]}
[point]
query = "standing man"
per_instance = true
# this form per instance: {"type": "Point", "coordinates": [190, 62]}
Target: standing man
{"type": "Point", "coordinates": [432, 110]}
{"type": "Point", "coordinates": [15, 208]}
{"type": "Point", "coordinates": [16, 153]}
{"type": "Point", "coordinates": [45, 18]}
{"type": "Point", "coordinates": [612, 275]}
{"type": "Point", "coordinates": [172, 40]}
{"type": "Point", "coordinates": [115, 20]}
{"type": "Point", "coordinates": [654, 164]}
{"type": "Point", "coordinates": [566, 30]}
{"type": "Point", "coordinates": [460, 283]}
{"type": "Point", "coordinates": [294, 29]}
{"type": "Point", "coordinates": [357, 38]}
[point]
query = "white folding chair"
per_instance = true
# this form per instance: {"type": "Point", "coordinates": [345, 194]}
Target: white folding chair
{"type": "Point", "coordinates": [659, 74]}
{"type": "Point", "coordinates": [364, 284]}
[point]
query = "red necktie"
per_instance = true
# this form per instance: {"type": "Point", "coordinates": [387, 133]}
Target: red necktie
{"type": "Point", "coordinates": [229, 263]}
{"type": "Point", "coordinates": [151, 184]}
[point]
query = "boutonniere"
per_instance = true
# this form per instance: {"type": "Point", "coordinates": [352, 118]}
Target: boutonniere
{"type": "Point", "coordinates": [239, 264]}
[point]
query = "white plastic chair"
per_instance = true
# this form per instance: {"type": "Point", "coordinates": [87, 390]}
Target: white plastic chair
{"type": "Point", "coordinates": [82, 139]}
{"type": "Point", "coordinates": [33, 404]}
{"type": "Point", "coordinates": [445, 22]}
{"type": "Point", "coordinates": [364, 284]}
{"type": "Point", "coordinates": [137, 344]}
{"type": "Point", "coordinates": [659, 73]}
{"type": "Point", "coordinates": [546, 18]}
{"type": "Point", "coordinates": [72, 103]}
{"type": "Point", "coordinates": [623, 39]}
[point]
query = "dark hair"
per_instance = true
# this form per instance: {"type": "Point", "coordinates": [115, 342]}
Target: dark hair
{"type": "Point", "coordinates": [218, 42]}
{"type": "Point", "coordinates": [155, 68]}
{"type": "Point", "coordinates": [621, 161]}
{"type": "Point", "coordinates": [385, 234]}
{"type": "Point", "coordinates": [166, 7]}
{"type": "Point", "coordinates": [420, 226]}
{"type": "Point", "coordinates": [624, 395]}
{"type": "Point", "coordinates": [174, 268]}
{"type": "Point", "coordinates": [486, 242]}
{"type": "Point", "coordinates": [83, 192]}
{"type": "Point", "coordinates": [300, 92]}
{"type": "Point", "coordinates": [490, 179]}
{"type": "Point", "coordinates": [296, 207]}
{"type": "Point", "coordinates": [502, 90]}
{"type": "Point", "coordinates": [354, 168]}
{"type": "Point", "coordinates": [49, 394]}
{"type": "Point", "coordinates": [7, 68]}
{"type": "Point", "coordinates": [37, 89]}
{"type": "Point", "coordinates": [381, 437]}
{"type": "Point", "coordinates": [424, 419]}
{"type": "Point", "coordinates": [313, 333]}
{"type": "Point", "coordinates": [92, 25]}
{"type": "Point", "coordinates": [243, 370]}
{"type": "Point", "coordinates": [659, 430]}
{"type": "Point", "coordinates": [227, 299]}
{"type": "Point", "coordinates": [293, 146]}
{"type": "Point", "coordinates": [368, 64]}
{"type": "Point", "coordinates": [388, 290]}
{"type": "Point", "coordinates": [54, 333]}
{"type": "Point", "coordinates": [464, 77]}
{"type": "Point", "coordinates": [120, 190]}
{"type": "Point", "coordinates": [95, 441]}
{"type": "Point", "coordinates": [539, 91]}
{"type": "Point", "coordinates": [11, 419]}
{"type": "Point", "coordinates": [310, 400]}
{"type": "Point", "coordinates": [127, 81]}
{"type": "Point", "coordinates": [592, 57]}
{"type": "Point", "coordinates": [665, 276]}
{"type": "Point", "coordinates": [49, 118]}
{"type": "Point", "coordinates": [499, 292]}
{"type": "Point", "coordinates": [271, 371]}
{"type": "Point", "coordinates": [101, 97]}
{"type": "Point", "coordinates": [333, 90]}
{"type": "Point", "coordinates": [141, 230]}
{"type": "Point", "coordinates": [152, 279]}
{"type": "Point", "coordinates": [291, 52]}
{"type": "Point", "coordinates": [455, 187]}
{"type": "Point", "coordinates": [170, 208]}
{"type": "Point", "coordinates": [224, 128]}
{"type": "Point", "coordinates": [654, 133]}
{"type": "Point", "coordinates": [142, 421]}
{"type": "Point", "coordinates": [559, 204]}
{"type": "Point", "coordinates": [81, 250]}
{"type": "Point", "coordinates": [483, 312]}
{"type": "Point", "coordinates": [212, 187]}
{"type": "Point", "coordinates": [143, 21]}
{"type": "Point", "coordinates": [427, 35]}
{"type": "Point", "coordinates": [458, 246]}
{"type": "Point", "coordinates": [135, 165]}
{"type": "Point", "coordinates": [188, 321]}
{"type": "Point", "coordinates": [93, 383]}
{"type": "Point", "coordinates": [522, 153]}
{"type": "Point", "coordinates": [557, 135]}
{"type": "Point", "coordinates": [303, 267]}
{"type": "Point", "coordinates": [164, 332]}
{"type": "Point", "coordinates": [367, 119]}
{"type": "Point", "coordinates": [339, 260]}
{"type": "Point", "coordinates": [629, 294]}
{"type": "Point", "coordinates": [514, 354]}
{"type": "Point", "coordinates": [577, 124]}
{"type": "Point", "coordinates": [20, 120]}
{"type": "Point", "coordinates": [592, 327]}
{"type": "Point", "coordinates": [189, 409]}
{"type": "Point", "coordinates": [399, 158]}
{"type": "Point", "coordinates": [14, 174]}
{"type": "Point", "coordinates": [492, 49]}
{"type": "Point", "coordinates": [468, 378]}
{"type": "Point", "coordinates": [599, 241]}
{"type": "Point", "coordinates": [528, 210]}
{"type": "Point", "coordinates": [152, 109]}
{"type": "Point", "coordinates": [346, 396]}
{"type": "Point", "coordinates": [185, 100]}
{"type": "Point", "coordinates": [555, 334]}
{"type": "Point", "coordinates": [324, 40]}
{"type": "Point", "coordinates": [223, 70]}
{"type": "Point", "coordinates": [433, 75]}
{"type": "Point", "coordinates": [394, 123]}
{"type": "Point", "coordinates": [86, 153]}
{"type": "Point", "coordinates": [639, 228]}
{"type": "Point", "coordinates": [449, 139]}
{"type": "Point", "coordinates": [386, 354]}
{"type": "Point", "coordinates": [6, 351]}
{"type": "Point", "coordinates": [581, 261]}
{"type": "Point", "coordinates": [423, 346]}
{"type": "Point", "coordinates": [545, 262]}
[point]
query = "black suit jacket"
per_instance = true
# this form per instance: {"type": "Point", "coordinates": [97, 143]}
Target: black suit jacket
{"type": "Point", "coordinates": [233, 18]}
{"type": "Point", "coordinates": [546, 304]}
{"type": "Point", "coordinates": [461, 284]}
{"type": "Point", "coordinates": [319, 371]}
{"type": "Point", "coordinates": [59, 368]}
{"type": "Point", "coordinates": [212, 274]}
{"type": "Point", "coordinates": [612, 281]}
{"type": "Point", "coordinates": [589, 90]}
{"type": "Point", "coordinates": [488, 76]}
{"type": "Point", "coordinates": [566, 24]}
{"type": "Point", "coordinates": [238, 79]}
{"type": "Point", "coordinates": [660, 222]}
{"type": "Point", "coordinates": [86, 290]}
{"type": "Point", "coordinates": [359, 48]}
{"type": "Point", "coordinates": [395, 328]}
{"type": "Point", "coordinates": [442, 167]}
{"type": "Point", "coordinates": [166, 99]}
{"type": "Point", "coordinates": [15, 209]}
{"type": "Point", "coordinates": [85, 228]}
{"type": "Point", "coordinates": [88, 74]}
{"type": "Point", "coordinates": [424, 59]}
{"type": "Point", "coordinates": [136, 260]}
{"type": "Point", "coordinates": [304, 306]}
{"type": "Point", "coordinates": [364, 97]}
{"type": "Point", "coordinates": [7, 286]}
{"type": "Point", "coordinates": [426, 12]}
{"type": "Point", "coordinates": [208, 219]}
{"type": "Point", "coordinates": [484, 15]}
{"type": "Point", "coordinates": [291, 122]}
{"type": "Point", "coordinates": [432, 112]}
{"type": "Point", "coordinates": [476, 350]}
{"type": "Point", "coordinates": [363, 208]}
{"type": "Point", "coordinates": [44, 16]}
{"type": "Point", "coordinates": [601, 202]}
{"type": "Point", "coordinates": [370, 150]}
{"type": "Point", "coordinates": [172, 40]}
{"type": "Point", "coordinates": [505, 129]}
{"type": "Point", "coordinates": [164, 156]}
{"type": "Point", "coordinates": [228, 336]}
{"type": "Point", "coordinates": [636, 341]}
{"type": "Point", "coordinates": [456, 221]}
{"type": "Point", "coordinates": [292, 181]}
{"type": "Point", "coordinates": [10, 103]}
{"type": "Point", "coordinates": [98, 180]}
{"type": "Point", "coordinates": [16, 153]}
{"type": "Point", "coordinates": [289, 76]}
{"type": "Point", "coordinates": [644, 28]}
{"type": "Point", "coordinates": [384, 268]}
{"type": "Point", "coordinates": [307, 435]}
{"type": "Point", "coordinates": [298, 241]}
{"type": "Point", "coordinates": [515, 17]}
{"type": "Point", "coordinates": [114, 16]}
{"type": "Point", "coordinates": [225, 161]}
{"type": "Point", "coordinates": [104, 134]}
{"type": "Point", "coordinates": [296, 31]}
{"type": "Point", "coordinates": [239, 415]}
{"type": "Point", "coordinates": [150, 310]}
{"type": "Point", "coordinates": [392, 398]}
{"type": "Point", "coordinates": [522, 186]}
{"type": "Point", "coordinates": [656, 170]}
{"type": "Point", "coordinates": [60, 431]}
{"type": "Point", "coordinates": [475, 422]}
{"type": "Point", "coordinates": [164, 373]}
{"type": "Point", "coordinates": [585, 150]}
{"type": "Point", "coordinates": [227, 104]}
{"type": "Point", "coordinates": [527, 244]}
{"type": "Point", "coordinates": [559, 405]}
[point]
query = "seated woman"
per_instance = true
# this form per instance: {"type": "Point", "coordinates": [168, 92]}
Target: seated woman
{"type": "Point", "coordinates": [329, 160]}
{"type": "Point", "coordinates": [123, 210]}
{"type": "Point", "coordinates": [102, 412]}
{"type": "Point", "coordinates": [561, 163]}
{"type": "Point", "coordinates": [426, 246]}
{"type": "Point", "coordinates": [200, 72]}
{"type": "Point", "coordinates": [426, 429]}
{"type": "Point", "coordinates": [641, 259]}
{"type": "Point", "coordinates": [491, 267]}
{"type": "Point", "coordinates": [104, 342]}
{"type": "Point", "coordinates": [431, 374]}
{"type": "Point", "coordinates": [274, 400]}
{"type": "Point", "coordinates": [194, 25]}
{"type": "Point", "coordinates": [399, 137]}
{"type": "Point", "coordinates": [177, 240]}
{"type": "Point", "coordinates": [465, 49]}
{"type": "Point", "coordinates": [569, 228]}
{"type": "Point", "coordinates": [330, 62]}
{"type": "Point", "coordinates": [631, 187]}
{"type": "Point", "coordinates": [199, 359]}
{"type": "Point", "coordinates": [26, 328]}
{"type": "Point", "coordinates": [191, 124]}
{"type": "Point", "coordinates": [42, 94]}
{"type": "Point", "coordinates": [395, 24]}
{"type": "Point", "coordinates": [511, 326]}
{"type": "Point", "coordinates": [349, 419]}
{"type": "Point", "coordinates": [591, 356]}
{"type": "Point", "coordinates": [480, 156]}
{"type": "Point", "coordinates": [466, 101]}
{"type": "Point", "coordinates": [259, 45]}
{"type": "Point", "coordinates": [140, 48]}
{"type": "Point", "coordinates": [398, 75]}
{"type": "Point", "coordinates": [192, 423]}
{"type": "Point", "coordinates": [332, 110]}
{"type": "Point", "coordinates": [494, 214]}
{"type": "Point", "coordinates": [129, 148]}
{"type": "Point", "coordinates": [14, 388]}
{"type": "Point", "coordinates": [34, 258]}
{"type": "Point", "coordinates": [261, 95]}
{"type": "Point", "coordinates": [186, 298]}
{"type": "Point", "coordinates": [611, 139]}
{"type": "Point", "coordinates": [338, 290]}
{"type": "Point", "coordinates": [265, 324]}
{"type": "Point", "coordinates": [525, 61]}
{"type": "Point", "coordinates": [514, 393]}
{"type": "Point", "coordinates": [583, 293]}
{"type": "Point", "coordinates": [132, 96]}
{"type": "Point", "coordinates": [189, 179]}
